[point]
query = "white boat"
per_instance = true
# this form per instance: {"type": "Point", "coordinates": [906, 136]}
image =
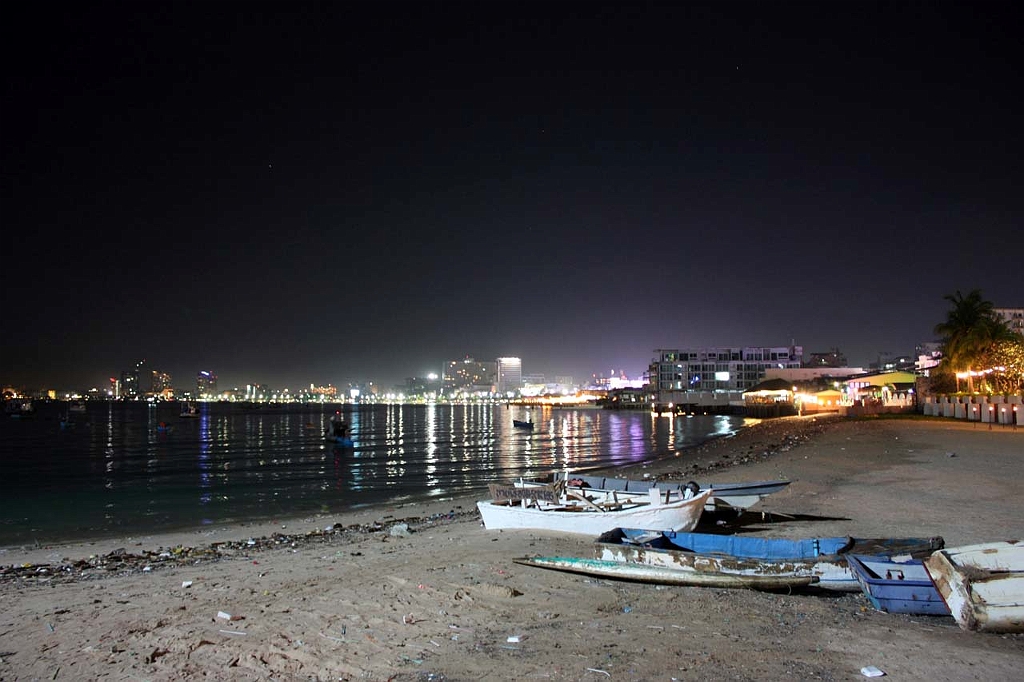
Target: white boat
{"type": "Point", "coordinates": [586, 514]}
{"type": "Point", "coordinates": [983, 585]}
{"type": "Point", "coordinates": [739, 496]}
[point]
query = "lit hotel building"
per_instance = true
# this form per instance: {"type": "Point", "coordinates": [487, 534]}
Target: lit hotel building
{"type": "Point", "coordinates": [509, 375]}
{"type": "Point", "coordinates": [706, 376]}
{"type": "Point", "coordinates": [469, 376]}
{"type": "Point", "coordinates": [206, 384]}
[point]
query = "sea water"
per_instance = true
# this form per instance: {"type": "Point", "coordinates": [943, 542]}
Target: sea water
{"type": "Point", "coordinates": [132, 468]}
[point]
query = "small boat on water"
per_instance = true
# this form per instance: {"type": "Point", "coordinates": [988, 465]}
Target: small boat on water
{"type": "Point", "coordinates": [664, 576]}
{"type": "Point", "coordinates": [983, 584]}
{"type": "Point", "coordinates": [521, 424]}
{"type": "Point", "coordinates": [735, 495]}
{"type": "Point", "coordinates": [189, 410]}
{"type": "Point", "coordinates": [19, 408]}
{"type": "Point", "coordinates": [739, 555]}
{"type": "Point", "coordinates": [900, 585]}
{"type": "Point", "coordinates": [76, 406]}
{"type": "Point", "coordinates": [568, 511]}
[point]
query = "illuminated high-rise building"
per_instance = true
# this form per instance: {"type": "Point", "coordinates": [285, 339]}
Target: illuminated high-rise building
{"type": "Point", "coordinates": [206, 384]}
{"type": "Point", "coordinates": [509, 375]}
{"type": "Point", "coordinates": [469, 376]}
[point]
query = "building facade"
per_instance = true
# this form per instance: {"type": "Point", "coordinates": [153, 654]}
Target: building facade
{"type": "Point", "coordinates": [469, 376]}
{"type": "Point", "coordinates": [730, 369]}
{"type": "Point", "coordinates": [206, 384]}
{"type": "Point", "coordinates": [1013, 317]}
{"type": "Point", "coordinates": [509, 376]}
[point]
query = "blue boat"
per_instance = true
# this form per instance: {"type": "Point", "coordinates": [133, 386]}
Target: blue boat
{"type": "Point", "coordinates": [898, 585]}
{"type": "Point", "coordinates": [739, 555]}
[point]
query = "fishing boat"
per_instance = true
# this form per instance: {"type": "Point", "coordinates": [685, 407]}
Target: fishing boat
{"type": "Point", "coordinates": [569, 511]}
{"type": "Point", "coordinates": [737, 555]}
{"type": "Point", "coordinates": [983, 584]}
{"type": "Point", "coordinates": [189, 410]}
{"type": "Point", "coordinates": [897, 585]}
{"type": "Point", "coordinates": [521, 424]}
{"type": "Point", "coordinates": [665, 576]}
{"type": "Point", "coordinates": [18, 408]}
{"type": "Point", "coordinates": [727, 495]}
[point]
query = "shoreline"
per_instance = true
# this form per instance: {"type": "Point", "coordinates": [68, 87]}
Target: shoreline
{"type": "Point", "coordinates": [770, 437]}
{"type": "Point", "coordinates": [424, 592]}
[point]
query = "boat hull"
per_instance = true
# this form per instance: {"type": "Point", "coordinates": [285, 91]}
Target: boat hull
{"type": "Point", "coordinates": [729, 495]}
{"type": "Point", "coordinates": [822, 558]}
{"type": "Point", "coordinates": [664, 576]}
{"type": "Point", "coordinates": [679, 515]}
{"type": "Point", "coordinates": [897, 586]}
{"type": "Point", "coordinates": [983, 585]}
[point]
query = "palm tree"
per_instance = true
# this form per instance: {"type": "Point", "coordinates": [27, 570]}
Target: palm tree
{"type": "Point", "coordinates": [970, 330]}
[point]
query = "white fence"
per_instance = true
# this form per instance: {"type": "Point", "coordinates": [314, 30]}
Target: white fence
{"type": "Point", "coordinates": [987, 409]}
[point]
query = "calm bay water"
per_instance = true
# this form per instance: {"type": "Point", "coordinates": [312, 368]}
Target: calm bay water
{"type": "Point", "coordinates": [114, 472]}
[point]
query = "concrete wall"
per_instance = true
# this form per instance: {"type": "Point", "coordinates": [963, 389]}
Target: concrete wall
{"type": "Point", "coordinates": [995, 409]}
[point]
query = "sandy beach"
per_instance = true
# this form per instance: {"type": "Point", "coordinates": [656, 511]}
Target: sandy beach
{"type": "Point", "coordinates": [424, 592]}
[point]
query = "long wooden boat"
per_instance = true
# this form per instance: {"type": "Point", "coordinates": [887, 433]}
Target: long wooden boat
{"type": "Point", "coordinates": [899, 585]}
{"type": "Point", "coordinates": [740, 495]}
{"type": "Point", "coordinates": [983, 584]}
{"type": "Point", "coordinates": [743, 555]}
{"type": "Point", "coordinates": [665, 576]}
{"type": "Point", "coordinates": [547, 509]}
{"type": "Point", "coordinates": [522, 424]}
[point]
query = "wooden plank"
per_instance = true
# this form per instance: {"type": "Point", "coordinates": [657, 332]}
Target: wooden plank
{"type": "Point", "coordinates": [510, 493]}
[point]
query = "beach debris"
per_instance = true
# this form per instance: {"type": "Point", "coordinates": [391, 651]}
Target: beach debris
{"type": "Point", "coordinates": [120, 562]}
{"type": "Point", "coordinates": [596, 670]}
{"type": "Point", "coordinates": [399, 530]}
{"type": "Point", "coordinates": [224, 615]}
{"type": "Point", "coordinates": [871, 671]}
{"type": "Point", "coordinates": [186, 584]}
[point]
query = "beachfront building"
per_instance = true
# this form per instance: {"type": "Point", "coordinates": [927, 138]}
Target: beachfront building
{"type": "Point", "coordinates": [1013, 317]}
{"type": "Point", "coordinates": [713, 379]}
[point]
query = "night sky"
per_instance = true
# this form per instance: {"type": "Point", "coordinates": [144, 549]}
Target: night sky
{"type": "Point", "coordinates": [311, 193]}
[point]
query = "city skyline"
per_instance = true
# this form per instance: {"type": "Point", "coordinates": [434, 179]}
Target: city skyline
{"type": "Point", "coordinates": [341, 193]}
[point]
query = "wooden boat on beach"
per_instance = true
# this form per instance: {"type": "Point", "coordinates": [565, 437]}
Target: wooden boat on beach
{"type": "Point", "coordinates": [665, 576]}
{"type": "Point", "coordinates": [897, 585]}
{"type": "Point", "coordinates": [735, 495]}
{"type": "Point", "coordinates": [567, 511]}
{"type": "Point", "coordinates": [983, 584]}
{"type": "Point", "coordinates": [739, 555]}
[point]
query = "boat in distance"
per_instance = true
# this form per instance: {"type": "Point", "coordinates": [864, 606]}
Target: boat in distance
{"type": "Point", "coordinates": [897, 585]}
{"type": "Point", "coordinates": [512, 507]}
{"type": "Point", "coordinates": [665, 576]}
{"type": "Point", "coordinates": [982, 584]}
{"type": "Point", "coordinates": [521, 424]}
{"type": "Point", "coordinates": [822, 557]}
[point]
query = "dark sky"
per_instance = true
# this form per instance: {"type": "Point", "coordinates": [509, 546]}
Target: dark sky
{"type": "Point", "coordinates": [343, 192]}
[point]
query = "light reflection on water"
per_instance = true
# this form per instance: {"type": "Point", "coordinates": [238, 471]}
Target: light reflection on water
{"type": "Point", "coordinates": [116, 472]}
